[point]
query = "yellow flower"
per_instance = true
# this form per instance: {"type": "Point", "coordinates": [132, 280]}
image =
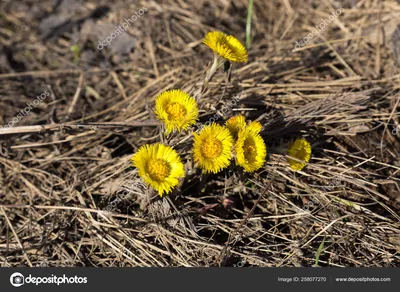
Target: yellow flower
{"type": "Point", "coordinates": [226, 46]}
{"type": "Point", "coordinates": [301, 150]}
{"type": "Point", "coordinates": [250, 150]}
{"type": "Point", "coordinates": [234, 124]}
{"type": "Point", "coordinates": [176, 109]}
{"type": "Point", "coordinates": [255, 127]}
{"type": "Point", "coordinates": [159, 166]}
{"type": "Point", "coordinates": [212, 148]}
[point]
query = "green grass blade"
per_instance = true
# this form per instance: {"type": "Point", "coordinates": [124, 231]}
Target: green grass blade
{"type": "Point", "coordinates": [248, 24]}
{"type": "Point", "coordinates": [319, 250]}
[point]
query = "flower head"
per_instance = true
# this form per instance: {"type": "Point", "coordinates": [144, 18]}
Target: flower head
{"type": "Point", "coordinates": [177, 109]}
{"type": "Point", "coordinates": [255, 127]}
{"type": "Point", "coordinates": [235, 124]}
{"type": "Point", "coordinates": [301, 150]}
{"type": "Point", "coordinates": [226, 46]}
{"type": "Point", "coordinates": [250, 150]}
{"type": "Point", "coordinates": [212, 148]}
{"type": "Point", "coordinates": [159, 166]}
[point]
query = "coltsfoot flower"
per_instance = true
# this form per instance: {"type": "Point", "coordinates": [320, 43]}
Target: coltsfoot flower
{"type": "Point", "coordinates": [250, 149]}
{"type": "Point", "coordinates": [212, 148]}
{"type": "Point", "coordinates": [301, 150]}
{"type": "Point", "coordinates": [176, 109]}
{"type": "Point", "coordinates": [159, 166]}
{"type": "Point", "coordinates": [226, 46]}
{"type": "Point", "coordinates": [255, 127]}
{"type": "Point", "coordinates": [235, 124]}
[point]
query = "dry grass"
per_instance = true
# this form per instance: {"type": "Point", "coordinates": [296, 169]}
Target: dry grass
{"type": "Point", "coordinates": [69, 196]}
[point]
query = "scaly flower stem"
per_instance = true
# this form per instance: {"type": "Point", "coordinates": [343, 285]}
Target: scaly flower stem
{"type": "Point", "coordinates": [217, 63]}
